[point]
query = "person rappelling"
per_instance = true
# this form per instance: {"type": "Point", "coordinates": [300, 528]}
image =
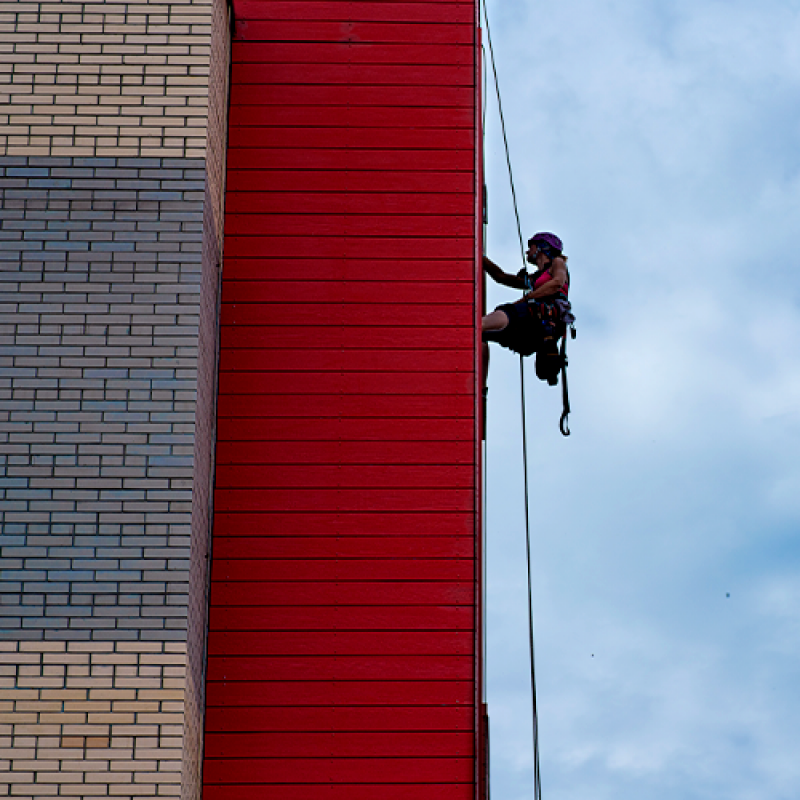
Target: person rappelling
{"type": "Point", "coordinates": [536, 322]}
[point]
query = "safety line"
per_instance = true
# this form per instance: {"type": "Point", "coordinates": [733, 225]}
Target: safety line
{"type": "Point", "coordinates": [537, 788]}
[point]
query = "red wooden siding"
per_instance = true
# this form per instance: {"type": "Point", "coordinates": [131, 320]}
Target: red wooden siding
{"type": "Point", "coordinates": [343, 654]}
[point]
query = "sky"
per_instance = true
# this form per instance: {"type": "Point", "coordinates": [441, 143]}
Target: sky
{"type": "Point", "coordinates": [661, 141]}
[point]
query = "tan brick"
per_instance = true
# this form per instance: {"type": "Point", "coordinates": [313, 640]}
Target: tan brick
{"type": "Point", "coordinates": [112, 694]}
{"type": "Point", "coordinates": [20, 658]}
{"type": "Point", "coordinates": [42, 647]}
{"type": "Point", "coordinates": [73, 742]}
{"type": "Point", "coordinates": [64, 694]}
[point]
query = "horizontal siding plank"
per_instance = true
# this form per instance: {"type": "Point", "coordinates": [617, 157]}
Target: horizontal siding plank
{"type": "Point", "coordinates": [356, 618]}
{"type": "Point", "coordinates": [320, 361]}
{"type": "Point", "coordinates": [395, 315]}
{"type": "Point", "coordinates": [344, 500]}
{"type": "Point", "coordinates": [347, 569]}
{"type": "Point", "coordinates": [346, 791]}
{"type": "Point", "coordinates": [430, 431]}
{"type": "Point", "coordinates": [386, 247]}
{"type": "Point", "coordinates": [344, 476]}
{"type": "Point", "coordinates": [338, 770]}
{"type": "Point", "coordinates": [339, 547]}
{"type": "Point", "coordinates": [264, 201]}
{"type": "Point", "coordinates": [356, 74]}
{"type": "Point", "coordinates": [336, 452]}
{"type": "Point", "coordinates": [397, 383]}
{"type": "Point", "coordinates": [352, 160]}
{"type": "Point", "coordinates": [350, 225]}
{"type": "Point", "coordinates": [278, 177]}
{"type": "Point", "coordinates": [336, 338]}
{"type": "Point", "coordinates": [372, 97]}
{"type": "Point", "coordinates": [376, 593]}
{"type": "Point", "coordinates": [350, 139]}
{"type": "Point", "coordinates": [312, 522]}
{"type": "Point", "coordinates": [341, 476]}
{"type": "Point", "coordinates": [342, 744]}
{"type": "Point", "coordinates": [348, 718]}
{"type": "Point", "coordinates": [351, 53]}
{"type": "Point", "coordinates": [342, 643]}
{"type": "Point", "coordinates": [339, 693]}
{"type": "Point", "coordinates": [357, 32]}
{"type": "Point", "coordinates": [337, 406]}
{"type": "Point", "coordinates": [350, 270]}
{"type": "Point", "coordinates": [448, 11]}
{"type": "Point", "coordinates": [340, 668]}
{"type": "Point", "coordinates": [304, 292]}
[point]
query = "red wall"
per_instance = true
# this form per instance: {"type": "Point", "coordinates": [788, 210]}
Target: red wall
{"type": "Point", "coordinates": [343, 647]}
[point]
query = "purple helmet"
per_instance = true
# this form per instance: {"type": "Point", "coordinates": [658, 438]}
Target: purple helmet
{"type": "Point", "coordinates": [549, 243]}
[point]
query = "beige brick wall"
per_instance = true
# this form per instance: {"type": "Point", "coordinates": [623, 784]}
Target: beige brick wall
{"type": "Point", "coordinates": [86, 719]}
{"type": "Point", "coordinates": [113, 78]}
{"type": "Point", "coordinates": [112, 163]}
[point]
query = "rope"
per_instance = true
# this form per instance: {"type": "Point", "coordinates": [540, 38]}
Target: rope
{"type": "Point", "coordinates": [537, 787]}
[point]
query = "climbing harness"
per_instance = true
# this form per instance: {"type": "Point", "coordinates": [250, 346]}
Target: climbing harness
{"type": "Point", "coordinates": [563, 423]}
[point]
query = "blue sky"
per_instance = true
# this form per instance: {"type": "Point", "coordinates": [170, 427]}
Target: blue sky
{"type": "Point", "coordinates": [660, 141]}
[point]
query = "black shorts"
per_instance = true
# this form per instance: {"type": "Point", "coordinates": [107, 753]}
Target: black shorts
{"type": "Point", "coordinates": [523, 334]}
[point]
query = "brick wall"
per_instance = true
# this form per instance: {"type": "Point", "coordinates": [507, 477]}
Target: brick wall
{"type": "Point", "coordinates": [112, 131]}
{"type": "Point", "coordinates": [113, 78]}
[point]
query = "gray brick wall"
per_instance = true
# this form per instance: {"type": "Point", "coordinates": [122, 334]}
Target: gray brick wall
{"type": "Point", "coordinates": [101, 269]}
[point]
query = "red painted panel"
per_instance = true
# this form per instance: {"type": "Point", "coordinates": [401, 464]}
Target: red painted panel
{"type": "Point", "coordinates": [445, 547]}
{"type": "Point", "coordinates": [347, 718]}
{"type": "Point", "coordinates": [250, 694]}
{"type": "Point", "coordinates": [339, 476]}
{"type": "Point", "coordinates": [315, 618]}
{"type": "Point", "coordinates": [352, 53]}
{"type": "Point", "coordinates": [341, 292]}
{"type": "Point", "coordinates": [332, 452]}
{"type": "Point", "coordinates": [427, 140]}
{"type": "Point", "coordinates": [311, 522]}
{"type": "Point", "coordinates": [337, 406]}
{"type": "Point", "coordinates": [440, 11]}
{"type": "Point", "coordinates": [356, 383]}
{"type": "Point", "coordinates": [377, 97]}
{"type": "Point", "coordinates": [405, 361]}
{"type": "Point", "coordinates": [342, 643]}
{"type": "Point", "coordinates": [375, 314]}
{"type": "Point", "coordinates": [355, 32]}
{"type": "Point", "coordinates": [339, 770]}
{"type": "Point", "coordinates": [424, 433]}
{"type": "Point", "coordinates": [367, 159]}
{"type": "Point", "coordinates": [345, 500]}
{"type": "Point", "coordinates": [340, 668]}
{"type": "Point", "coordinates": [377, 593]}
{"type": "Point", "coordinates": [344, 791]}
{"type": "Point", "coordinates": [310, 569]}
{"type": "Point", "coordinates": [342, 617]}
{"type": "Point", "coordinates": [373, 203]}
{"type": "Point", "coordinates": [342, 744]}
{"type": "Point", "coordinates": [280, 178]}
{"type": "Point", "coordinates": [361, 74]}
{"type": "Point", "coordinates": [353, 225]}
{"type": "Point", "coordinates": [346, 269]}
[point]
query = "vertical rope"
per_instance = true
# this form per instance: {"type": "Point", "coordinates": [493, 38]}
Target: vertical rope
{"type": "Point", "coordinates": [537, 787]}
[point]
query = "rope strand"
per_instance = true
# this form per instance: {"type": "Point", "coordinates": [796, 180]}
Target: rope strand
{"type": "Point", "coordinates": [537, 787]}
